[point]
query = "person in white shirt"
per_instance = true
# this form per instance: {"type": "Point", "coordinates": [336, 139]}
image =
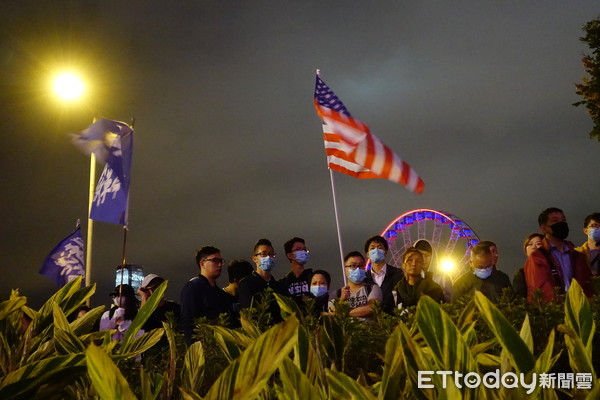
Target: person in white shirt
{"type": "Point", "coordinates": [384, 275]}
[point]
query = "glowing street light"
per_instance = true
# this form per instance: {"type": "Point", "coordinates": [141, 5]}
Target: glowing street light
{"type": "Point", "coordinates": [68, 86]}
{"type": "Point", "coordinates": [448, 265]}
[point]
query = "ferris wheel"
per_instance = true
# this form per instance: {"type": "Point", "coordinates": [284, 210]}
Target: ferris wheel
{"type": "Point", "coordinates": [450, 237]}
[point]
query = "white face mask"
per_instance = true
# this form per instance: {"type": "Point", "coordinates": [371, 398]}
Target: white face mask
{"type": "Point", "coordinates": [119, 301]}
{"type": "Point", "coordinates": [483, 273]}
{"type": "Point", "coordinates": [594, 234]}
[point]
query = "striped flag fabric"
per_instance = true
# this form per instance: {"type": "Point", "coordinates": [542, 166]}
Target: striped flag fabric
{"type": "Point", "coordinates": [352, 149]}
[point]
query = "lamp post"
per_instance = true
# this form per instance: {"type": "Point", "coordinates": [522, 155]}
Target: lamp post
{"type": "Point", "coordinates": [68, 87]}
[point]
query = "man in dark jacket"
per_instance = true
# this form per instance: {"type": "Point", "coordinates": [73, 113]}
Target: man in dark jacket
{"type": "Point", "coordinates": [252, 286]}
{"type": "Point", "coordinates": [483, 277]}
{"type": "Point", "coordinates": [384, 275]}
{"type": "Point", "coordinates": [201, 297]}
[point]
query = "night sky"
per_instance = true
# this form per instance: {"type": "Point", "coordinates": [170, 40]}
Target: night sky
{"type": "Point", "coordinates": [476, 96]}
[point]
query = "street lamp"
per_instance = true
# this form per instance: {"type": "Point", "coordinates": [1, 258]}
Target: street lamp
{"type": "Point", "coordinates": [69, 87]}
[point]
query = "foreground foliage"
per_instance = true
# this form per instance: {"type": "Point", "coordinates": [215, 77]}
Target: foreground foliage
{"type": "Point", "coordinates": [305, 356]}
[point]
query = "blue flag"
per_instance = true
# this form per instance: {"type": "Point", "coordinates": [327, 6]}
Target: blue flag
{"type": "Point", "coordinates": [65, 261]}
{"type": "Point", "coordinates": [99, 137]}
{"type": "Point", "coordinates": [112, 191]}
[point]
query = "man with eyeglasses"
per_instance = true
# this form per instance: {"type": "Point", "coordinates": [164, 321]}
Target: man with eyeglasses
{"type": "Point", "coordinates": [591, 248]}
{"type": "Point", "coordinates": [201, 297]}
{"type": "Point", "coordinates": [297, 281]}
{"type": "Point", "coordinates": [252, 286]}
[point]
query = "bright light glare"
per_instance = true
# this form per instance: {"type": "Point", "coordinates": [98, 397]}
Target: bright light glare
{"type": "Point", "coordinates": [448, 265]}
{"type": "Point", "coordinates": [68, 86]}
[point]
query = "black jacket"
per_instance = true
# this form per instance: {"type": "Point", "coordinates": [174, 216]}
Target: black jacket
{"type": "Point", "coordinates": [391, 278]}
{"type": "Point", "coordinates": [200, 299]}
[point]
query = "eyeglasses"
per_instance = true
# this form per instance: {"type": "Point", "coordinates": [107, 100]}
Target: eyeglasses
{"type": "Point", "coordinates": [594, 226]}
{"type": "Point", "coordinates": [266, 253]}
{"type": "Point", "coordinates": [355, 266]}
{"type": "Point", "coordinates": [215, 260]}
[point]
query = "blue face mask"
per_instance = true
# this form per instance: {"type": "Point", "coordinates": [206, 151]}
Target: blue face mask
{"type": "Point", "coordinates": [376, 255]}
{"type": "Point", "coordinates": [318, 291]}
{"type": "Point", "coordinates": [357, 275]}
{"type": "Point", "coordinates": [301, 256]}
{"type": "Point", "coordinates": [594, 234]}
{"type": "Point", "coordinates": [483, 273]}
{"type": "Point", "coordinates": [266, 263]}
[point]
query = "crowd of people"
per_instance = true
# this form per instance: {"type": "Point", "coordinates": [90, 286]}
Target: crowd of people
{"type": "Point", "coordinates": [551, 264]}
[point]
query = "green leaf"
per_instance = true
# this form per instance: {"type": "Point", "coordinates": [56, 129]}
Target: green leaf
{"type": "Point", "coordinates": [106, 377]}
{"type": "Point", "coordinates": [543, 364]}
{"type": "Point", "coordinates": [140, 344]}
{"type": "Point", "coordinates": [9, 306]}
{"type": "Point", "coordinates": [341, 386]}
{"type": "Point", "coordinates": [525, 334]}
{"type": "Point", "coordinates": [66, 342]}
{"type": "Point", "coordinates": [249, 327]}
{"type": "Point", "coordinates": [230, 341]}
{"type": "Point", "coordinates": [189, 395]}
{"type": "Point", "coordinates": [43, 319]}
{"type": "Point", "coordinates": [287, 305]}
{"type": "Point", "coordinates": [332, 339]}
{"type": "Point", "coordinates": [85, 324]}
{"type": "Point", "coordinates": [307, 359]}
{"type": "Point", "coordinates": [192, 373]}
{"type": "Point", "coordinates": [516, 350]}
{"type": "Point", "coordinates": [297, 385]}
{"type": "Point", "coordinates": [150, 387]}
{"type": "Point", "coordinates": [33, 375]}
{"type": "Point", "coordinates": [579, 358]}
{"type": "Point", "coordinates": [578, 315]}
{"type": "Point", "coordinates": [60, 321]}
{"type": "Point", "coordinates": [394, 373]}
{"type": "Point", "coordinates": [249, 374]}
{"type": "Point", "coordinates": [170, 378]}
{"type": "Point", "coordinates": [415, 359]}
{"type": "Point", "coordinates": [141, 317]}
{"type": "Point", "coordinates": [443, 337]}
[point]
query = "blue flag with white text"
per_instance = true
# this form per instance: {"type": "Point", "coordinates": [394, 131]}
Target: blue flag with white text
{"type": "Point", "coordinates": [65, 261]}
{"type": "Point", "coordinates": [112, 191]}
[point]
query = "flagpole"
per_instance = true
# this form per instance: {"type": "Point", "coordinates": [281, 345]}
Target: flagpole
{"type": "Point", "coordinates": [337, 225]}
{"type": "Point", "coordinates": [125, 229]}
{"type": "Point", "coordinates": [90, 221]}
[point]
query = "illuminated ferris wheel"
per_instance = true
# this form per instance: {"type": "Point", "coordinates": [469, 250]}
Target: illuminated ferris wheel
{"type": "Point", "coordinates": [450, 237]}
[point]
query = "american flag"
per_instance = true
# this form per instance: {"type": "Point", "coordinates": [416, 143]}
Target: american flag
{"type": "Point", "coordinates": [352, 149]}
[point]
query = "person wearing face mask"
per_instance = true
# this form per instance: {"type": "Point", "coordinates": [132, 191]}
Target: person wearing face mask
{"type": "Point", "coordinates": [360, 295]}
{"type": "Point", "coordinates": [319, 289]}
{"type": "Point", "coordinates": [384, 275]}
{"type": "Point", "coordinates": [121, 313]}
{"type": "Point", "coordinates": [591, 248]}
{"type": "Point", "coordinates": [250, 287]}
{"type": "Point", "coordinates": [297, 281]}
{"type": "Point", "coordinates": [483, 277]}
{"type": "Point", "coordinates": [413, 285]}
{"type": "Point", "coordinates": [556, 262]}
